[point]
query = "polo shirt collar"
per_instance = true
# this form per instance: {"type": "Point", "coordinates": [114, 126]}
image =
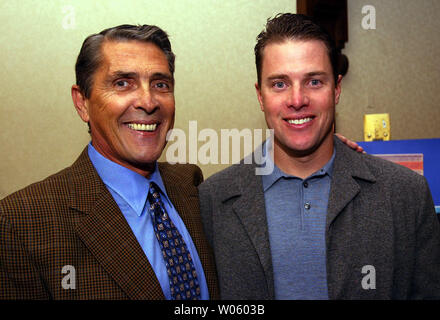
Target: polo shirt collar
{"type": "Point", "coordinates": [277, 173]}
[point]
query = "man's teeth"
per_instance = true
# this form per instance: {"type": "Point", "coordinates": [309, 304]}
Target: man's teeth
{"type": "Point", "coordinates": [299, 121]}
{"type": "Point", "coordinates": [142, 127]}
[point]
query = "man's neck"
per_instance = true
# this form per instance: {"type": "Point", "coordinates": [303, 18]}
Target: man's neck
{"type": "Point", "coordinates": [303, 166]}
{"type": "Point", "coordinates": [145, 169]}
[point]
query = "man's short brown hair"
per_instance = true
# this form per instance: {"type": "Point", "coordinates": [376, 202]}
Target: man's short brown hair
{"type": "Point", "coordinates": [288, 26]}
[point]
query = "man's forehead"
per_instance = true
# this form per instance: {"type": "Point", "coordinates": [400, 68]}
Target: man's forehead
{"type": "Point", "coordinates": [310, 48]}
{"type": "Point", "coordinates": [297, 54]}
{"type": "Point", "coordinates": [118, 55]}
{"type": "Point", "coordinates": [124, 44]}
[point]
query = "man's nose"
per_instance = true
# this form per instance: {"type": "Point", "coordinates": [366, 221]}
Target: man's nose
{"type": "Point", "coordinates": [146, 99]}
{"type": "Point", "coordinates": [298, 97]}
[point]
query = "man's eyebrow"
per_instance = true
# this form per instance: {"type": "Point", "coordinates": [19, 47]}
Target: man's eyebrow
{"type": "Point", "coordinates": [127, 74]}
{"type": "Point", "coordinates": [308, 74]}
{"type": "Point", "coordinates": [122, 74]}
{"type": "Point", "coordinates": [162, 76]}
{"type": "Point", "coordinates": [316, 73]}
{"type": "Point", "coordinates": [277, 76]}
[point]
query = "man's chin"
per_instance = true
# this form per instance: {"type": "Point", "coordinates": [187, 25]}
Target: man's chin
{"type": "Point", "coordinates": [143, 165]}
{"type": "Point", "coordinates": [301, 149]}
{"type": "Point", "coordinates": [142, 155]}
{"type": "Point", "coordinates": [146, 159]}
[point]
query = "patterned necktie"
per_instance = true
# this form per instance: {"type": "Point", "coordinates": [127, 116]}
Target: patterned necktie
{"type": "Point", "coordinates": [182, 275]}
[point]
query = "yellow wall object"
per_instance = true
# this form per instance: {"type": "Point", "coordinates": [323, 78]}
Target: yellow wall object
{"type": "Point", "coordinates": [377, 127]}
{"type": "Point", "coordinates": [393, 68]}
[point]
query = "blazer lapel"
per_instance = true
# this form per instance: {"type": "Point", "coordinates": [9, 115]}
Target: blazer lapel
{"type": "Point", "coordinates": [107, 235]}
{"type": "Point", "coordinates": [250, 208]}
{"type": "Point", "coordinates": [184, 199]}
{"type": "Point", "coordinates": [343, 189]}
{"type": "Point", "coordinates": [344, 186]}
{"type": "Point", "coordinates": [348, 167]}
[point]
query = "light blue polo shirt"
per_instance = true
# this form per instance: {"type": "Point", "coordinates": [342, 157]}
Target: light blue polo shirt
{"type": "Point", "coordinates": [296, 212]}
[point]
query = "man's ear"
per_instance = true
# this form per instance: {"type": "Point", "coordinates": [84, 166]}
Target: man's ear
{"type": "Point", "coordinates": [260, 98]}
{"type": "Point", "coordinates": [80, 102]}
{"type": "Point", "coordinates": [338, 89]}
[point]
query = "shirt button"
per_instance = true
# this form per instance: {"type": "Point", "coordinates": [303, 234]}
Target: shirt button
{"type": "Point", "coordinates": [305, 184]}
{"type": "Point", "coordinates": [307, 205]}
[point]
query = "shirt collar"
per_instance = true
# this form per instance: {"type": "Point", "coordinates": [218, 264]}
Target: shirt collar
{"type": "Point", "coordinates": [129, 185]}
{"type": "Point", "coordinates": [277, 173]}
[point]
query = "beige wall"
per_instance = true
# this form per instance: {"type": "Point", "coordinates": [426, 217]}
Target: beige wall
{"type": "Point", "coordinates": [215, 71]}
{"type": "Point", "coordinates": [41, 132]}
{"type": "Point", "coordinates": [394, 69]}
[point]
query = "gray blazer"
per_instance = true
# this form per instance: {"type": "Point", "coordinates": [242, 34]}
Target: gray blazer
{"type": "Point", "coordinates": [379, 214]}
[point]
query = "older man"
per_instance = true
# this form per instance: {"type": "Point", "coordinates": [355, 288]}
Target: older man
{"type": "Point", "coordinates": [116, 224]}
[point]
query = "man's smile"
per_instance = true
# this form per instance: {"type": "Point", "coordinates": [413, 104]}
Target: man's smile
{"type": "Point", "coordinates": [151, 127]}
{"type": "Point", "coordinates": [299, 121]}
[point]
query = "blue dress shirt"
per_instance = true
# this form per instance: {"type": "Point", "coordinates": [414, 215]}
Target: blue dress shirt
{"type": "Point", "coordinates": [130, 191]}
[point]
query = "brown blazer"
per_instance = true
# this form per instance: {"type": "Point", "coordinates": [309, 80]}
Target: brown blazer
{"type": "Point", "coordinates": [71, 219]}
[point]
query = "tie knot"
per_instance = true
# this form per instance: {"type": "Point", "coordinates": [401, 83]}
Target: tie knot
{"type": "Point", "coordinates": [154, 198]}
{"type": "Point", "coordinates": [154, 190]}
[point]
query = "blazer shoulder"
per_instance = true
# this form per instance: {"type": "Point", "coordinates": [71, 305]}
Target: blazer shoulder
{"type": "Point", "coordinates": [371, 167]}
{"type": "Point", "coordinates": [39, 204]}
{"type": "Point", "coordinates": [392, 172]}
{"type": "Point", "coordinates": [50, 189]}
{"type": "Point", "coordinates": [401, 183]}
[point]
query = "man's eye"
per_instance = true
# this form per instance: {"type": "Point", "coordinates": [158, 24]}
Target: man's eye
{"type": "Point", "coordinates": [279, 85]}
{"type": "Point", "coordinates": [162, 86]}
{"type": "Point", "coordinates": [122, 83]}
{"type": "Point", "coordinates": [315, 82]}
